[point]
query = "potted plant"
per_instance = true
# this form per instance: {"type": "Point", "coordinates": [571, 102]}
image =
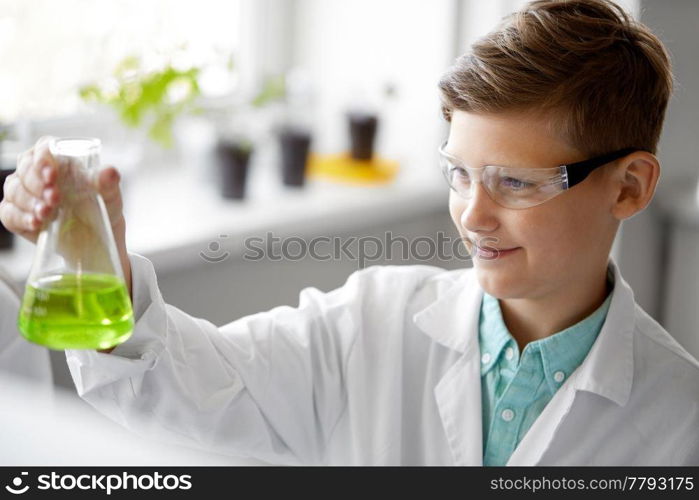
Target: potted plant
{"type": "Point", "coordinates": [294, 133]}
{"type": "Point", "coordinates": [155, 98]}
{"type": "Point", "coordinates": [233, 154]}
{"type": "Point", "coordinates": [235, 145]}
{"type": "Point", "coordinates": [294, 143]}
{"type": "Point", "coordinates": [363, 126]}
{"type": "Point", "coordinates": [158, 98]}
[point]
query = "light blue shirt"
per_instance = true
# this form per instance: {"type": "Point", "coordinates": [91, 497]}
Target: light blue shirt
{"type": "Point", "coordinates": [515, 388]}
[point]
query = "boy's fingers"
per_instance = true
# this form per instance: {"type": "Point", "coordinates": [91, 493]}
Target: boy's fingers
{"type": "Point", "coordinates": [23, 174]}
{"type": "Point", "coordinates": [31, 206]}
{"type": "Point", "coordinates": [23, 223]}
{"type": "Point", "coordinates": [42, 156]}
{"type": "Point", "coordinates": [108, 182]}
{"type": "Point", "coordinates": [36, 169]}
{"type": "Point", "coordinates": [43, 141]}
{"type": "Point", "coordinates": [108, 186]}
{"type": "Point", "coordinates": [17, 195]}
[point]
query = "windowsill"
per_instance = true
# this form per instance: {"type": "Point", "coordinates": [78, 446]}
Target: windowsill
{"type": "Point", "coordinates": [173, 215]}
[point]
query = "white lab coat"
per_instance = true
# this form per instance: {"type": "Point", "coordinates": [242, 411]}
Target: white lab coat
{"type": "Point", "coordinates": [18, 356]}
{"type": "Point", "coordinates": [385, 370]}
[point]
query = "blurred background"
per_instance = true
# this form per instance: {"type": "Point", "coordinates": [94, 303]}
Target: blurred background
{"type": "Point", "coordinates": [298, 118]}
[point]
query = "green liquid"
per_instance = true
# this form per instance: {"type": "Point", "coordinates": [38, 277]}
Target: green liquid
{"type": "Point", "coordinates": [76, 311]}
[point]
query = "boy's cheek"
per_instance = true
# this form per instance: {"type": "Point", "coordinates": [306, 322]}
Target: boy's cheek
{"type": "Point", "coordinates": [456, 208]}
{"type": "Point", "coordinates": [455, 216]}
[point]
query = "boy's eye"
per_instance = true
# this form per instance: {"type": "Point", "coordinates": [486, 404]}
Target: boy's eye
{"type": "Point", "coordinates": [458, 173]}
{"type": "Point", "coordinates": [515, 184]}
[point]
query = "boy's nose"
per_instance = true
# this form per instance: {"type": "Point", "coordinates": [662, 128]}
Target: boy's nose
{"type": "Point", "coordinates": [479, 216]}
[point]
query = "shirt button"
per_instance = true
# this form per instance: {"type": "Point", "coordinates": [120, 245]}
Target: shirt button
{"type": "Point", "coordinates": [509, 353]}
{"type": "Point", "coordinates": [485, 358]}
{"type": "Point", "coordinates": [507, 415]}
{"type": "Point", "coordinates": [559, 376]}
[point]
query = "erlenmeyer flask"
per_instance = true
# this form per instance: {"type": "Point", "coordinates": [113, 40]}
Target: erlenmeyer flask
{"type": "Point", "coordinates": [76, 296]}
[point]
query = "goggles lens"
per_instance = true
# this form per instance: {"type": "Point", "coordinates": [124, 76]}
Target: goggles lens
{"type": "Point", "coordinates": [509, 187]}
{"type": "Point", "coordinates": [521, 187]}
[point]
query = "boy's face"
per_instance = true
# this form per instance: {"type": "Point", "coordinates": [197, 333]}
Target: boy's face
{"type": "Point", "coordinates": [559, 244]}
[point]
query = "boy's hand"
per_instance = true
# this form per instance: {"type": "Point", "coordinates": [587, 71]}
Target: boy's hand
{"type": "Point", "coordinates": [31, 198]}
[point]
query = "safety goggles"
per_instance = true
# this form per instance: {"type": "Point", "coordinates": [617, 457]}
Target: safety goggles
{"type": "Point", "coordinates": [517, 188]}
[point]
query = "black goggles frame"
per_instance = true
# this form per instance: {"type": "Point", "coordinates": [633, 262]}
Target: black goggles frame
{"type": "Point", "coordinates": [577, 172]}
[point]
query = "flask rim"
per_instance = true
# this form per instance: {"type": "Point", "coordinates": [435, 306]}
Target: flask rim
{"type": "Point", "coordinates": [79, 146]}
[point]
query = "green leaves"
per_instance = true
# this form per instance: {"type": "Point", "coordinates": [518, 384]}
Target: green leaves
{"type": "Point", "coordinates": [156, 97]}
{"type": "Point", "coordinates": [274, 88]}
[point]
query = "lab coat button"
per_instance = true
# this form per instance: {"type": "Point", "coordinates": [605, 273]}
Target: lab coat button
{"type": "Point", "coordinates": [507, 415]}
{"type": "Point", "coordinates": [509, 353]}
{"type": "Point", "coordinates": [485, 358]}
{"type": "Point", "coordinates": [559, 376]}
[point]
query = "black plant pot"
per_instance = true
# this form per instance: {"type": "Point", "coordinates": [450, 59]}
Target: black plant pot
{"type": "Point", "coordinates": [294, 145]}
{"type": "Point", "coordinates": [6, 237]}
{"type": "Point", "coordinates": [234, 160]}
{"type": "Point", "coordinates": [362, 129]}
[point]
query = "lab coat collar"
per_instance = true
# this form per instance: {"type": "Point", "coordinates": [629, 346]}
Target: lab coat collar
{"type": "Point", "coordinates": [452, 321]}
{"type": "Point", "coordinates": [608, 368]}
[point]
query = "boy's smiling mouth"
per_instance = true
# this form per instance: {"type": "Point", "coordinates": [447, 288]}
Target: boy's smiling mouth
{"type": "Point", "coordinates": [489, 252]}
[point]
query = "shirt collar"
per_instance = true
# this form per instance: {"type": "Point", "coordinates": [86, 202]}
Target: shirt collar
{"type": "Point", "coordinates": [493, 334]}
{"type": "Point", "coordinates": [560, 352]}
{"type": "Point", "coordinates": [566, 350]}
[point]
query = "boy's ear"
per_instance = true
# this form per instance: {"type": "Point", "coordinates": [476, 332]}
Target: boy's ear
{"type": "Point", "coordinates": [635, 179]}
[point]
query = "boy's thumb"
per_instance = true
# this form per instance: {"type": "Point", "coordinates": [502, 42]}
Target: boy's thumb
{"type": "Point", "coordinates": [108, 180]}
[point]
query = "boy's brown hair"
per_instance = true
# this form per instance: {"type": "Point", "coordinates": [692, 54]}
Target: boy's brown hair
{"type": "Point", "coordinates": [603, 78]}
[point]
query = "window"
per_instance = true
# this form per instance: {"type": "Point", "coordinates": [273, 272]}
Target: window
{"type": "Point", "coordinates": [49, 49]}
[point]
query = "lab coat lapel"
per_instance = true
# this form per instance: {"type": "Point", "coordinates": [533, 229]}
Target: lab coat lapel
{"type": "Point", "coordinates": [452, 320]}
{"type": "Point", "coordinates": [607, 371]}
{"type": "Point", "coordinates": [539, 436]}
{"type": "Point", "coordinates": [458, 396]}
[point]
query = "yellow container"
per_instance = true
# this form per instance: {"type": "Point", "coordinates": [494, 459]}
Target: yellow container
{"type": "Point", "coordinates": [343, 168]}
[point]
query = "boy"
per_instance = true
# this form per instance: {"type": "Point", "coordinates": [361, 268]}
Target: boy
{"type": "Point", "coordinates": [536, 356]}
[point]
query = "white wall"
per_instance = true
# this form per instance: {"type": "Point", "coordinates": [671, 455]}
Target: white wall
{"type": "Point", "coordinates": [367, 43]}
{"type": "Point", "coordinates": [658, 251]}
{"type": "Point", "coordinates": [676, 22]}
